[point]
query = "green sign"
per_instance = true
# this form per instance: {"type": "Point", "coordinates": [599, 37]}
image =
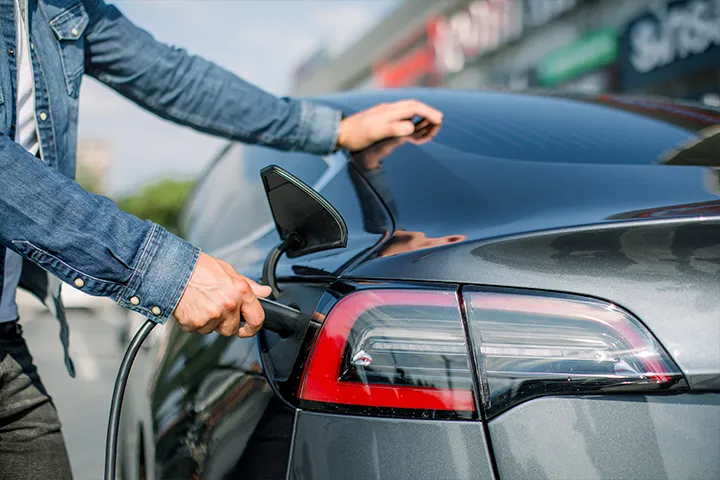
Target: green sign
{"type": "Point", "coordinates": [593, 51]}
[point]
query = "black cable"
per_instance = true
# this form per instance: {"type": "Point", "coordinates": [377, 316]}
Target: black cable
{"type": "Point", "coordinates": [117, 398]}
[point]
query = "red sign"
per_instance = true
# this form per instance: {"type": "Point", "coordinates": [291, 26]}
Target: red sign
{"type": "Point", "coordinates": [413, 63]}
{"type": "Point", "coordinates": [445, 44]}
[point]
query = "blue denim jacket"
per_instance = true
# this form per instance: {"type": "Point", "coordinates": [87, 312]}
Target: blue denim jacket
{"type": "Point", "coordinates": [83, 239]}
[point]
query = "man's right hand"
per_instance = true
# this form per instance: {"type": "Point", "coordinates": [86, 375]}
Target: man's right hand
{"type": "Point", "coordinates": [215, 299]}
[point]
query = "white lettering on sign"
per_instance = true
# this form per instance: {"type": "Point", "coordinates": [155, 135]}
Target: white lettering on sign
{"type": "Point", "coordinates": [484, 26]}
{"type": "Point", "coordinates": [674, 33]}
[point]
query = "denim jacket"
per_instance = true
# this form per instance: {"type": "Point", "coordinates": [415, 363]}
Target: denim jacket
{"type": "Point", "coordinates": [83, 239]}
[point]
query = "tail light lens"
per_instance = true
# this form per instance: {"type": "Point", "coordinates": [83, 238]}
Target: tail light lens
{"type": "Point", "coordinates": [529, 346]}
{"type": "Point", "coordinates": [403, 350]}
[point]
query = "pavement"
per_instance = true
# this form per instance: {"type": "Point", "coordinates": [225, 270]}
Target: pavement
{"type": "Point", "coordinates": [82, 402]}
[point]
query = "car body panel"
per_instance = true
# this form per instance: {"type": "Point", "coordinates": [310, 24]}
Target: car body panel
{"type": "Point", "coordinates": [665, 273]}
{"type": "Point", "coordinates": [217, 392]}
{"type": "Point", "coordinates": [619, 437]}
{"type": "Point", "coordinates": [348, 447]}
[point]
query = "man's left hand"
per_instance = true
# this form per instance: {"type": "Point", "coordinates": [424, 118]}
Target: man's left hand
{"type": "Point", "coordinates": [387, 120]}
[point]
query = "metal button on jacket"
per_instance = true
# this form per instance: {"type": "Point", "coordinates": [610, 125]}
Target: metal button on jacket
{"type": "Point", "coordinates": [135, 300]}
{"type": "Point", "coordinates": [79, 282]}
{"type": "Point", "coordinates": [43, 116]}
{"type": "Point", "coordinates": [156, 310]}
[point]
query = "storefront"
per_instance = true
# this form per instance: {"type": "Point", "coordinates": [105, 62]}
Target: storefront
{"type": "Point", "coordinates": [587, 66]}
{"type": "Point", "coordinates": [449, 43]}
{"type": "Point", "coordinates": [674, 50]}
{"type": "Point", "coordinates": [471, 44]}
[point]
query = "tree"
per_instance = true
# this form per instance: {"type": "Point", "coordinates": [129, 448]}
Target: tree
{"type": "Point", "coordinates": [160, 202]}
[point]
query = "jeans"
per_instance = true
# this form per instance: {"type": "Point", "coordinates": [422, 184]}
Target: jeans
{"type": "Point", "coordinates": [31, 444]}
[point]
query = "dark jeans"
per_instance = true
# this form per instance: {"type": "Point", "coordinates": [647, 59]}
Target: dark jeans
{"type": "Point", "coordinates": [31, 444]}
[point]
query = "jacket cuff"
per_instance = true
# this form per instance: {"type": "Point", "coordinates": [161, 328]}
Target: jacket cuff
{"type": "Point", "coordinates": [319, 128]}
{"type": "Point", "coordinates": [165, 265]}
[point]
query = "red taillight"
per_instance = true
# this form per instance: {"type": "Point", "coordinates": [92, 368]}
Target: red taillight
{"type": "Point", "coordinates": [529, 345]}
{"type": "Point", "coordinates": [403, 349]}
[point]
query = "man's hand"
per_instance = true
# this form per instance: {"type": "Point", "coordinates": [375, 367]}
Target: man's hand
{"type": "Point", "coordinates": [372, 157]}
{"type": "Point", "coordinates": [387, 120]}
{"type": "Point", "coordinates": [216, 297]}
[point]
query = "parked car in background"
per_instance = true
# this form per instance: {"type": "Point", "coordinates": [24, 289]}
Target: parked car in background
{"type": "Point", "coordinates": [532, 294]}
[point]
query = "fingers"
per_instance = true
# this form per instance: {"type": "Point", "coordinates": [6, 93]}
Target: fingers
{"type": "Point", "coordinates": [249, 308]}
{"type": "Point", "coordinates": [425, 134]}
{"type": "Point", "coordinates": [412, 108]}
{"type": "Point", "coordinates": [253, 315]}
{"type": "Point", "coordinates": [215, 298]}
{"type": "Point", "coordinates": [229, 328]}
{"type": "Point", "coordinates": [397, 121]}
{"type": "Point", "coordinates": [423, 124]}
{"type": "Point", "coordinates": [248, 312]}
{"type": "Point", "coordinates": [263, 291]}
{"type": "Point", "coordinates": [400, 129]}
{"type": "Point", "coordinates": [210, 326]}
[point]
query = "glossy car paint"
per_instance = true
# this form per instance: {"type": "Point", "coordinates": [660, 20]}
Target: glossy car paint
{"type": "Point", "coordinates": [519, 191]}
{"type": "Point", "coordinates": [664, 272]}
{"type": "Point", "coordinates": [338, 446]}
{"type": "Point", "coordinates": [638, 437]}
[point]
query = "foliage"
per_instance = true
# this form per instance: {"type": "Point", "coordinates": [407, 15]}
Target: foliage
{"type": "Point", "coordinates": [88, 179]}
{"type": "Point", "coordinates": [160, 202]}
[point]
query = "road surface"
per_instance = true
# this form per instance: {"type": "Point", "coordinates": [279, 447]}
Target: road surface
{"type": "Point", "coordinates": [82, 402]}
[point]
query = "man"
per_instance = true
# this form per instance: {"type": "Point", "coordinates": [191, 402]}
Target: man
{"type": "Point", "coordinates": [47, 220]}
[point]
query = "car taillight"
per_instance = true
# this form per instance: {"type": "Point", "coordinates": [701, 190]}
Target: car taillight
{"type": "Point", "coordinates": [393, 349]}
{"type": "Point", "coordinates": [532, 345]}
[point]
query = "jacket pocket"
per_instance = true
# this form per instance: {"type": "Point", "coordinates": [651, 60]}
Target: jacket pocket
{"type": "Point", "coordinates": [69, 27]}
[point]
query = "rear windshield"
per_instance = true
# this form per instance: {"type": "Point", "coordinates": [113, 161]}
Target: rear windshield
{"type": "Point", "coordinates": [590, 130]}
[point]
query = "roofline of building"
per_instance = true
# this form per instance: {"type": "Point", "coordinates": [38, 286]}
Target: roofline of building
{"type": "Point", "coordinates": [355, 62]}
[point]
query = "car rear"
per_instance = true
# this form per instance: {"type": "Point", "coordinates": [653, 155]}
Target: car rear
{"type": "Point", "coordinates": [573, 334]}
{"type": "Point", "coordinates": [568, 331]}
{"type": "Point", "coordinates": [427, 381]}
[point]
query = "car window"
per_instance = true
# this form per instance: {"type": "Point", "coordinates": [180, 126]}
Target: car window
{"type": "Point", "coordinates": [229, 203]}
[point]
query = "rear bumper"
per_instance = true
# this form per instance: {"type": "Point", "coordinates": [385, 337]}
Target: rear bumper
{"type": "Point", "coordinates": [621, 437]}
{"type": "Point", "coordinates": [595, 437]}
{"type": "Point", "coordinates": [353, 447]}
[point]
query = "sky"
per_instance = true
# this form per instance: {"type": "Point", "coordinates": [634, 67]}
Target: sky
{"type": "Point", "coordinates": [260, 40]}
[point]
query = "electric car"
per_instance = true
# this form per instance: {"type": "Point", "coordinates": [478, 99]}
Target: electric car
{"type": "Point", "coordinates": [534, 293]}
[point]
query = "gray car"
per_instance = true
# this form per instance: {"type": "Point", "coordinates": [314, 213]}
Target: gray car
{"type": "Point", "coordinates": [533, 294]}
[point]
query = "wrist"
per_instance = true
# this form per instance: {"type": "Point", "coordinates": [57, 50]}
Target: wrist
{"type": "Point", "coordinates": [341, 134]}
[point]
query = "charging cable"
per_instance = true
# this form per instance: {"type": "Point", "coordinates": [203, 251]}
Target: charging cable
{"type": "Point", "coordinates": [117, 399]}
{"type": "Point", "coordinates": [279, 318]}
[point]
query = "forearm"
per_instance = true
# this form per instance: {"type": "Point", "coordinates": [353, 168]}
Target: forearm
{"type": "Point", "coordinates": [85, 240]}
{"type": "Point", "coordinates": [195, 92]}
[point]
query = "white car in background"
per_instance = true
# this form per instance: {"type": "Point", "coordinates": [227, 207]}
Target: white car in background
{"type": "Point", "coordinates": [76, 299]}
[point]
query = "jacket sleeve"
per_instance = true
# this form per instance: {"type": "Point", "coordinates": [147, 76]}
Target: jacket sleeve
{"type": "Point", "coordinates": [197, 93]}
{"type": "Point", "coordinates": [86, 241]}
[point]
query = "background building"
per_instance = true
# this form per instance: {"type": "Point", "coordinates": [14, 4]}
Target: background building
{"type": "Point", "coordinates": [664, 47]}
